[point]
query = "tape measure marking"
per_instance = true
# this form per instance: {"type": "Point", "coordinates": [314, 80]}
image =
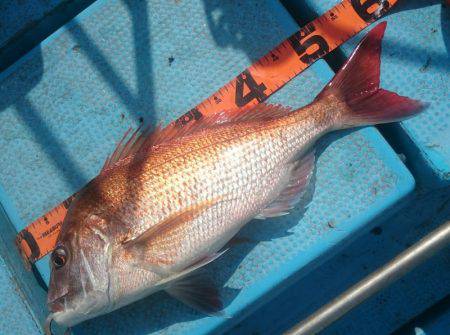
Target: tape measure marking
{"type": "Point", "coordinates": [250, 87]}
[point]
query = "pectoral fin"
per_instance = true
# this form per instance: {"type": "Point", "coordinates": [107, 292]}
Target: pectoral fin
{"type": "Point", "coordinates": [158, 248]}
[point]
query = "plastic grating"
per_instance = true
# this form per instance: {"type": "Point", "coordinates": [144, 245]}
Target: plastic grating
{"type": "Point", "coordinates": [64, 106]}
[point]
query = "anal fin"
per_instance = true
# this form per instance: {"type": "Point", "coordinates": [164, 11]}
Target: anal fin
{"type": "Point", "coordinates": [296, 190]}
{"type": "Point", "coordinates": [198, 292]}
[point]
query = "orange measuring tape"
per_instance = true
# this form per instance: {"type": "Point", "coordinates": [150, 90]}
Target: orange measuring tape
{"type": "Point", "coordinates": [252, 86]}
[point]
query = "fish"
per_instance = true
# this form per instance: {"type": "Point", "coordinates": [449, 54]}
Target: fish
{"type": "Point", "coordinates": [167, 202]}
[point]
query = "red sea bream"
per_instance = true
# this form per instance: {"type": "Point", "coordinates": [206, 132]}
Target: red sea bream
{"type": "Point", "coordinates": [167, 203]}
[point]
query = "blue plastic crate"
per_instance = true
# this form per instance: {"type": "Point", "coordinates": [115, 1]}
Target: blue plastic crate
{"type": "Point", "coordinates": [415, 63]}
{"type": "Point", "coordinates": [64, 105]}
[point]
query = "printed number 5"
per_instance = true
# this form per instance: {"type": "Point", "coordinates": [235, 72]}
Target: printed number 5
{"type": "Point", "coordinates": [302, 40]}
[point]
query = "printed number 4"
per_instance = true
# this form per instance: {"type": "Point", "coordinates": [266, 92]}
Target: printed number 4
{"type": "Point", "coordinates": [255, 91]}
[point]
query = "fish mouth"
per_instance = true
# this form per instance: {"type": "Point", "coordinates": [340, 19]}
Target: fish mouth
{"type": "Point", "coordinates": [48, 326]}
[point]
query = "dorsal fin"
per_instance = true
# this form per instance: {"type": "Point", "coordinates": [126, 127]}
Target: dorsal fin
{"type": "Point", "coordinates": [144, 138]}
{"type": "Point", "coordinates": [261, 112]}
{"type": "Point", "coordinates": [127, 146]}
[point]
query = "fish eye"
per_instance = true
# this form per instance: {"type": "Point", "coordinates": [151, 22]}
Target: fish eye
{"type": "Point", "coordinates": [59, 257]}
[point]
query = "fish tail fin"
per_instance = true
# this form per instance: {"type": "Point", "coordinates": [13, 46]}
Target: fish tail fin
{"type": "Point", "coordinates": [357, 85]}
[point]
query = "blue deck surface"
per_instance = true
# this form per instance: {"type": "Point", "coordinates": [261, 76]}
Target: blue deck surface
{"type": "Point", "coordinates": [65, 104]}
{"type": "Point", "coordinates": [415, 63]}
{"type": "Point", "coordinates": [23, 24]}
{"type": "Point", "coordinates": [386, 311]}
{"type": "Point", "coordinates": [434, 321]}
{"type": "Point", "coordinates": [22, 303]}
{"type": "Point", "coordinates": [12, 307]}
{"type": "Point", "coordinates": [18, 16]}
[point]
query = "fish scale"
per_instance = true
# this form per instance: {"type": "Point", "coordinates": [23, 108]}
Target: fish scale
{"type": "Point", "coordinates": [264, 151]}
{"type": "Point", "coordinates": [231, 178]}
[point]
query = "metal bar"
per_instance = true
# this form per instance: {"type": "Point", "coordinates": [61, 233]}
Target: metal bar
{"type": "Point", "coordinates": [376, 281]}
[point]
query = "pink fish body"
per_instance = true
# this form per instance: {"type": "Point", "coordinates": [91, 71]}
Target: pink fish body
{"type": "Point", "coordinates": [167, 203]}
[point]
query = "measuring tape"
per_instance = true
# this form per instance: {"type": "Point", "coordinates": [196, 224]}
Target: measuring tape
{"type": "Point", "coordinates": [252, 86]}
